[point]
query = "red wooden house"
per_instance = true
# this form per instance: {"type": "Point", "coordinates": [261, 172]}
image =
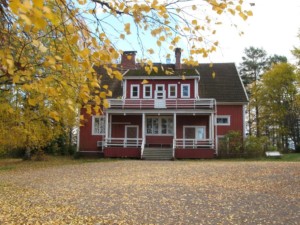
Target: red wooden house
{"type": "Point", "coordinates": [179, 112]}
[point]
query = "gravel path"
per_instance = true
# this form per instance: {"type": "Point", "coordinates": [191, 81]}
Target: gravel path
{"type": "Point", "coordinates": [153, 192]}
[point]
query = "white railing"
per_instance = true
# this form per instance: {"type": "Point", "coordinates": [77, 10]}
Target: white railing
{"type": "Point", "coordinates": [193, 103]}
{"type": "Point", "coordinates": [193, 143]}
{"type": "Point", "coordinates": [123, 142]}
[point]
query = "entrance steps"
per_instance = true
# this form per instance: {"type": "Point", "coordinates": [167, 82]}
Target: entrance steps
{"type": "Point", "coordinates": [157, 153]}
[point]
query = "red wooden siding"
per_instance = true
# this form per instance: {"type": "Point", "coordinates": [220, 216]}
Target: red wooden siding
{"type": "Point", "coordinates": [236, 118]}
{"type": "Point", "coordinates": [87, 141]}
{"type": "Point", "coordinates": [120, 121]}
{"type": "Point", "coordinates": [119, 152]}
{"type": "Point", "coordinates": [194, 153]}
{"type": "Point", "coordinates": [166, 83]}
{"type": "Point", "coordinates": [159, 140]}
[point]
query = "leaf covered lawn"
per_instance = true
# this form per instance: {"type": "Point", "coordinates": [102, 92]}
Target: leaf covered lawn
{"type": "Point", "coordinates": [152, 192]}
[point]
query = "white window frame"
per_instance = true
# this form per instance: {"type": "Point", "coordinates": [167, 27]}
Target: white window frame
{"type": "Point", "coordinates": [223, 117]}
{"type": "Point", "coordinates": [138, 90]}
{"type": "Point", "coordinates": [102, 123]}
{"type": "Point", "coordinates": [195, 127]}
{"type": "Point", "coordinates": [144, 90]}
{"type": "Point", "coordinates": [189, 90]}
{"type": "Point", "coordinates": [160, 126]}
{"type": "Point", "coordinates": [169, 90]}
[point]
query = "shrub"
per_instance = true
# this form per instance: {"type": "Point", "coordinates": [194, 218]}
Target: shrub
{"type": "Point", "coordinates": [231, 145]}
{"type": "Point", "coordinates": [256, 146]}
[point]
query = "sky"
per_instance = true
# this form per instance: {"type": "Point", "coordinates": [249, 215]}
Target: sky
{"type": "Point", "coordinates": [274, 27]}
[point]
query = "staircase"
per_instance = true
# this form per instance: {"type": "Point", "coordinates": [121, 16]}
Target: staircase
{"type": "Point", "coordinates": [157, 153]}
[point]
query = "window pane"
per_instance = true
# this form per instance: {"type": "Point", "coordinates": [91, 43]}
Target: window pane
{"type": "Point", "coordinates": [155, 126]}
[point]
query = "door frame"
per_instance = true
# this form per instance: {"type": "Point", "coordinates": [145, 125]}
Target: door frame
{"type": "Point", "coordinates": [137, 134]}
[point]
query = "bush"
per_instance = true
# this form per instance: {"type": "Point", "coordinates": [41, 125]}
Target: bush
{"type": "Point", "coordinates": [256, 146]}
{"type": "Point", "coordinates": [231, 145]}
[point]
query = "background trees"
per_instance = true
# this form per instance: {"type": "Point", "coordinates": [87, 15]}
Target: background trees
{"type": "Point", "coordinates": [273, 88]}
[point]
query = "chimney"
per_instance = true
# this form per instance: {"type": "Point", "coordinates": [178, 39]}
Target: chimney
{"type": "Point", "coordinates": [128, 60]}
{"type": "Point", "coordinates": [178, 58]}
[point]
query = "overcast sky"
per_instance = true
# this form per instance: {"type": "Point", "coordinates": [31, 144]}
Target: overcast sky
{"type": "Point", "coordinates": [273, 27]}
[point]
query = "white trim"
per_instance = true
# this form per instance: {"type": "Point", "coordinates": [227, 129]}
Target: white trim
{"type": "Point", "coordinates": [144, 90]}
{"type": "Point", "coordinates": [189, 90]}
{"type": "Point", "coordinates": [169, 90]}
{"type": "Point", "coordinates": [168, 77]}
{"type": "Point", "coordinates": [102, 119]}
{"type": "Point", "coordinates": [138, 90]}
{"type": "Point", "coordinates": [242, 83]}
{"type": "Point", "coordinates": [225, 117]}
{"type": "Point", "coordinates": [244, 122]}
{"type": "Point", "coordinates": [124, 88]}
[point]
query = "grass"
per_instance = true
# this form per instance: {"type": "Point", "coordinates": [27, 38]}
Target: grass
{"type": "Point", "coordinates": [7, 164]}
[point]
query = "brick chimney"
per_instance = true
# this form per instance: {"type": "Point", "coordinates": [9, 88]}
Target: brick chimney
{"type": "Point", "coordinates": [128, 60]}
{"type": "Point", "coordinates": [178, 58]}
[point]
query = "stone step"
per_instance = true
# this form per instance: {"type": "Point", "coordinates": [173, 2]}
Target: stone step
{"type": "Point", "coordinates": [158, 153]}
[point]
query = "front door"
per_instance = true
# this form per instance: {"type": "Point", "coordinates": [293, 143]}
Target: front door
{"type": "Point", "coordinates": [131, 136]}
{"type": "Point", "coordinates": [160, 95]}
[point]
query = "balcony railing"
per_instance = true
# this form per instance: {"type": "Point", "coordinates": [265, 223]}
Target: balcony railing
{"type": "Point", "coordinates": [193, 143]}
{"type": "Point", "coordinates": [162, 103]}
{"type": "Point", "coordinates": [123, 142]}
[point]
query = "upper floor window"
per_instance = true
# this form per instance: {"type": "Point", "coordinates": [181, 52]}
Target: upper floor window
{"type": "Point", "coordinates": [135, 91]}
{"type": "Point", "coordinates": [98, 125]}
{"type": "Point", "coordinates": [185, 90]}
{"type": "Point", "coordinates": [147, 91]}
{"type": "Point", "coordinates": [223, 120]}
{"type": "Point", "coordinates": [172, 91]}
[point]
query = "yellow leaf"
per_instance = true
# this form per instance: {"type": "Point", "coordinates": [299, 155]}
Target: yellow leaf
{"type": "Point", "coordinates": [127, 28]}
{"type": "Point", "coordinates": [26, 19]}
{"type": "Point", "coordinates": [122, 36]}
{"type": "Point", "coordinates": [155, 69]}
{"type": "Point", "coordinates": [145, 82]}
{"type": "Point", "coordinates": [213, 75]}
{"type": "Point", "coordinates": [14, 6]}
{"type": "Point", "coordinates": [249, 13]}
{"type": "Point", "coordinates": [105, 86]}
{"type": "Point", "coordinates": [194, 22]}
{"type": "Point", "coordinates": [105, 103]}
{"type": "Point", "coordinates": [37, 3]}
{"type": "Point", "coordinates": [32, 102]}
{"type": "Point", "coordinates": [244, 16]}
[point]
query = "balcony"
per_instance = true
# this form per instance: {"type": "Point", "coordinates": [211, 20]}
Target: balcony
{"type": "Point", "coordinates": [203, 103]}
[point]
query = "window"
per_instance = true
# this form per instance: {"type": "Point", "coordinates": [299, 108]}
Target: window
{"type": "Point", "coordinates": [185, 90]}
{"type": "Point", "coordinates": [134, 93]}
{"type": "Point", "coordinates": [98, 125]}
{"type": "Point", "coordinates": [172, 91]}
{"type": "Point", "coordinates": [147, 91]}
{"type": "Point", "coordinates": [163, 125]}
{"type": "Point", "coordinates": [198, 132]}
{"type": "Point", "coordinates": [223, 120]}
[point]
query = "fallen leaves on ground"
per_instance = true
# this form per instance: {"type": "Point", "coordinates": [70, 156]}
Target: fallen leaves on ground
{"type": "Point", "coordinates": [152, 192]}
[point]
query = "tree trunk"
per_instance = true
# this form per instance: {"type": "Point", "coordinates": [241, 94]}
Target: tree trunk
{"type": "Point", "coordinates": [27, 155]}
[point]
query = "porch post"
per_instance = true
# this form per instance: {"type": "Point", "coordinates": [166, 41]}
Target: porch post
{"type": "Point", "coordinates": [143, 127]}
{"type": "Point", "coordinates": [106, 127]}
{"type": "Point", "coordinates": [174, 126]}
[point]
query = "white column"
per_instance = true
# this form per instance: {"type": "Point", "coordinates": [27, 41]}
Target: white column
{"type": "Point", "coordinates": [106, 126]}
{"type": "Point", "coordinates": [144, 126]}
{"type": "Point", "coordinates": [174, 126]}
